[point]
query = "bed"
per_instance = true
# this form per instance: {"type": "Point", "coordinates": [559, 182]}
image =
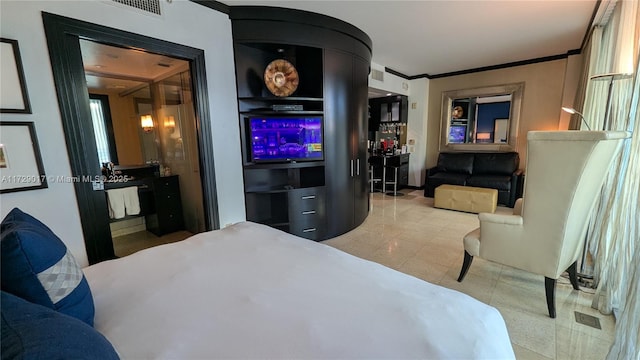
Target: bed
{"type": "Point", "coordinates": [250, 291]}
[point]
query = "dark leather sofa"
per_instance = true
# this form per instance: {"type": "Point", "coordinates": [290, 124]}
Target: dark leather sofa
{"type": "Point", "coordinates": [486, 170]}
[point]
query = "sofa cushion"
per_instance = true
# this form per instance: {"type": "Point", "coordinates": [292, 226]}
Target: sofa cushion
{"type": "Point", "coordinates": [447, 178]}
{"type": "Point", "coordinates": [36, 266]}
{"type": "Point", "coordinates": [496, 163]}
{"type": "Point", "coordinates": [31, 331]}
{"type": "Point", "coordinates": [456, 162]}
{"type": "Point", "coordinates": [498, 182]}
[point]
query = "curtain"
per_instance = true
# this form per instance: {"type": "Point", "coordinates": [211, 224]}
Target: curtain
{"type": "Point", "coordinates": [614, 235]}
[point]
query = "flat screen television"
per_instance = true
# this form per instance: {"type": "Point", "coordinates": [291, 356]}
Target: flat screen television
{"type": "Point", "coordinates": [457, 134]}
{"type": "Point", "coordinates": [286, 138]}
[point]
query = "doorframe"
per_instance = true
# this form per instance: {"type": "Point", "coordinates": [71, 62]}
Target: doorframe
{"type": "Point", "coordinates": [63, 36]}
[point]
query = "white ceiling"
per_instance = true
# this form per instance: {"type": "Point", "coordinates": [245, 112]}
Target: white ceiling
{"type": "Point", "coordinates": [437, 36]}
{"type": "Point", "coordinates": [114, 69]}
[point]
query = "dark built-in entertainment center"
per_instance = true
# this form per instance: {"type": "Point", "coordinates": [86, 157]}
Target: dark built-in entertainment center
{"type": "Point", "coordinates": [321, 190]}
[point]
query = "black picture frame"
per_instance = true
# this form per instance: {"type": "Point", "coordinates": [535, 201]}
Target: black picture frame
{"type": "Point", "coordinates": [12, 78]}
{"type": "Point", "coordinates": [21, 166]}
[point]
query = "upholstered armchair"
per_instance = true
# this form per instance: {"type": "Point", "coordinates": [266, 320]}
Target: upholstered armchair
{"type": "Point", "coordinates": [564, 173]}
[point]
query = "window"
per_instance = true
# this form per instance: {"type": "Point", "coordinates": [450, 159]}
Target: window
{"type": "Point", "coordinates": [103, 128]}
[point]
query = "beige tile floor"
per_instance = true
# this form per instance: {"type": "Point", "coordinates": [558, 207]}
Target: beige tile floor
{"type": "Point", "coordinates": [408, 234]}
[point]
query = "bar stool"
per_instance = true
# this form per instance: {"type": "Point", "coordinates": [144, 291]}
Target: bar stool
{"type": "Point", "coordinates": [392, 168]}
{"type": "Point", "coordinates": [376, 163]}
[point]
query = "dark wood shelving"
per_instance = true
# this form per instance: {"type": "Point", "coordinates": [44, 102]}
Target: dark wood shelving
{"type": "Point", "coordinates": [311, 199]}
{"type": "Point", "coordinates": [289, 165]}
{"type": "Point", "coordinates": [272, 99]}
{"type": "Point", "coordinates": [271, 112]}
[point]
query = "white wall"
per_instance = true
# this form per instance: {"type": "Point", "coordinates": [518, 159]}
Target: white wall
{"type": "Point", "coordinates": [182, 22]}
{"type": "Point", "coordinates": [391, 83]}
{"type": "Point", "coordinates": [417, 130]}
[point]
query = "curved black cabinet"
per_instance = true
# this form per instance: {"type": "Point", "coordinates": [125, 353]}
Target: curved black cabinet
{"type": "Point", "coordinates": [316, 200]}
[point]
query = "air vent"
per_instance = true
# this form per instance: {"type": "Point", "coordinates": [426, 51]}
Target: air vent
{"type": "Point", "coordinates": [150, 6]}
{"type": "Point", "coordinates": [377, 75]}
{"type": "Point", "coordinates": [588, 320]}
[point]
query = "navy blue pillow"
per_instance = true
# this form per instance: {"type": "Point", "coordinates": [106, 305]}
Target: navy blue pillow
{"type": "Point", "coordinates": [36, 266]}
{"type": "Point", "coordinates": [31, 331]}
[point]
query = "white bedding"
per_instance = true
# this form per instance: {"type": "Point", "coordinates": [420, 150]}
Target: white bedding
{"type": "Point", "coordinates": [250, 291]}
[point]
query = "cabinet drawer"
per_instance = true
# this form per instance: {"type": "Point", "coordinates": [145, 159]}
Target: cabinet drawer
{"type": "Point", "coordinates": [312, 229]}
{"type": "Point", "coordinates": [168, 184]}
{"type": "Point", "coordinates": [306, 199]}
{"type": "Point", "coordinates": [307, 212]}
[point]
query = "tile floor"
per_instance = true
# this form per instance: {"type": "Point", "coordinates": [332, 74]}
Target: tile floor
{"type": "Point", "coordinates": [408, 234]}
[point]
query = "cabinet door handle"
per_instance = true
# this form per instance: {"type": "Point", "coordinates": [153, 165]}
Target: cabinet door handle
{"type": "Point", "coordinates": [358, 166]}
{"type": "Point", "coordinates": [308, 212]}
{"type": "Point", "coordinates": [351, 167]}
{"type": "Point", "coordinates": [309, 230]}
{"type": "Point", "coordinates": [308, 197]}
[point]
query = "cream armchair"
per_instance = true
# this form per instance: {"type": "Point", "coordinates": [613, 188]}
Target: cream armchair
{"type": "Point", "coordinates": [564, 173]}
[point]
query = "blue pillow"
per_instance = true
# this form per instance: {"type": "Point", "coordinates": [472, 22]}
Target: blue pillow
{"type": "Point", "coordinates": [31, 331]}
{"type": "Point", "coordinates": [36, 266]}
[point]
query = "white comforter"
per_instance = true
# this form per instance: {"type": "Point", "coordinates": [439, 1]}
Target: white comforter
{"type": "Point", "coordinates": [249, 291]}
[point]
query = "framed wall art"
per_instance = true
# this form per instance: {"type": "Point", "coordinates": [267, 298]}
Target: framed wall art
{"type": "Point", "coordinates": [13, 86]}
{"type": "Point", "coordinates": [20, 161]}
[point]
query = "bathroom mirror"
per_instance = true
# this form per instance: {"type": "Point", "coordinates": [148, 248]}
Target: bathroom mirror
{"type": "Point", "coordinates": [481, 119]}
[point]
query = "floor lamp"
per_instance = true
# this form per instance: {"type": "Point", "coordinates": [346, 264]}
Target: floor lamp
{"type": "Point", "coordinates": [611, 77]}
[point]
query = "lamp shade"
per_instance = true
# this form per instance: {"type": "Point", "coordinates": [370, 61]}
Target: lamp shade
{"type": "Point", "coordinates": [146, 121]}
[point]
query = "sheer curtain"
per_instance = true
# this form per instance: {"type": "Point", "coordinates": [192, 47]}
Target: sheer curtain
{"type": "Point", "coordinates": [614, 236]}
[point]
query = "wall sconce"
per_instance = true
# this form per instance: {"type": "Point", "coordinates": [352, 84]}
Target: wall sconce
{"type": "Point", "coordinates": [146, 121]}
{"type": "Point", "coordinates": [170, 124]}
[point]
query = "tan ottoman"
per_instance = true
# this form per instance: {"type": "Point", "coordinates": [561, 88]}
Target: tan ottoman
{"type": "Point", "coordinates": [466, 198]}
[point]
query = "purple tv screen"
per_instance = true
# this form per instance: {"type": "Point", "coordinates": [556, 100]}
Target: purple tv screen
{"type": "Point", "coordinates": [286, 139]}
{"type": "Point", "coordinates": [457, 134]}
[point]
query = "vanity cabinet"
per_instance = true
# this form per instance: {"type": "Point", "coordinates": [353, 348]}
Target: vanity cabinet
{"type": "Point", "coordinates": [167, 216]}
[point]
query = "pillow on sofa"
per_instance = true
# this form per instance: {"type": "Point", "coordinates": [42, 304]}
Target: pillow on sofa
{"type": "Point", "coordinates": [36, 266]}
{"type": "Point", "coordinates": [456, 162]}
{"type": "Point", "coordinates": [31, 331]}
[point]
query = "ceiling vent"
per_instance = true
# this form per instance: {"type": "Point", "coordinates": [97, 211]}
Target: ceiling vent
{"type": "Point", "coordinates": [377, 75]}
{"type": "Point", "coordinates": [149, 6]}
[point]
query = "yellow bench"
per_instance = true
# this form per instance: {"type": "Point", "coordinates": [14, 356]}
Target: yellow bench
{"type": "Point", "coordinates": [466, 198]}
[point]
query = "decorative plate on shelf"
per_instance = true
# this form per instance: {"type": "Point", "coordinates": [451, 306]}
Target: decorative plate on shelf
{"type": "Point", "coordinates": [457, 112]}
{"type": "Point", "coordinates": [281, 77]}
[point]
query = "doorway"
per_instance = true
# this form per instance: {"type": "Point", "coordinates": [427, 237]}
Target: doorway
{"type": "Point", "coordinates": [143, 117]}
{"type": "Point", "coordinates": [178, 94]}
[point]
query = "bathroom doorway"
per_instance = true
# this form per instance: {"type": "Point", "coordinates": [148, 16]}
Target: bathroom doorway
{"type": "Point", "coordinates": [143, 118]}
{"type": "Point", "coordinates": [178, 111]}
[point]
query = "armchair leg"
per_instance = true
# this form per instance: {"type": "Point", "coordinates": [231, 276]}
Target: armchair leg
{"type": "Point", "coordinates": [573, 275]}
{"type": "Point", "coordinates": [550, 289]}
{"type": "Point", "coordinates": [465, 265]}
